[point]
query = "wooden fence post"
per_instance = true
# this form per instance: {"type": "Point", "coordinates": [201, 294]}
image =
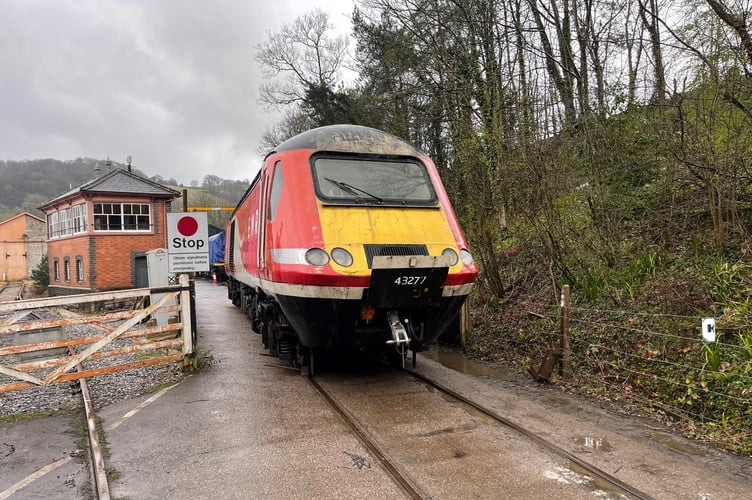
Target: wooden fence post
{"type": "Point", "coordinates": [464, 321]}
{"type": "Point", "coordinates": [186, 316]}
{"type": "Point", "coordinates": [565, 369]}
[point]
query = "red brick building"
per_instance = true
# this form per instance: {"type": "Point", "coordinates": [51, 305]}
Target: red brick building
{"type": "Point", "coordinates": [98, 233]}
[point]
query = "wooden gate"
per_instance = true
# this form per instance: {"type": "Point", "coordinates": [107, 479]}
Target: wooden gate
{"type": "Point", "coordinates": [43, 340]}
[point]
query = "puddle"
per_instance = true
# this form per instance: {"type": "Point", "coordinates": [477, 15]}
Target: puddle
{"type": "Point", "coordinates": [459, 363]}
{"type": "Point", "coordinates": [591, 444]}
{"type": "Point", "coordinates": [679, 446]}
{"type": "Point", "coordinates": [600, 487]}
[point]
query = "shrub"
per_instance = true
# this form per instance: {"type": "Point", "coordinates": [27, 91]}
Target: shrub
{"type": "Point", "coordinates": [40, 275]}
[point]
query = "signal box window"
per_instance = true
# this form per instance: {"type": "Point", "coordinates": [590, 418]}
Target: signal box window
{"type": "Point", "coordinates": [56, 269]}
{"type": "Point", "coordinates": [52, 225]}
{"type": "Point", "coordinates": [122, 217]}
{"type": "Point", "coordinates": [66, 269]}
{"type": "Point", "coordinates": [79, 218]}
{"type": "Point", "coordinates": [372, 181]}
{"type": "Point", "coordinates": [64, 223]}
{"type": "Point", "coordinates": [67, 221]}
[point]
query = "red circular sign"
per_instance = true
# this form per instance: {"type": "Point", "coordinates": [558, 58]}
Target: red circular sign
{"type": "Point", "coordinates": [187, 226]}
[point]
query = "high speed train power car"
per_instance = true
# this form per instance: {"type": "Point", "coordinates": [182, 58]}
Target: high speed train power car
{"type": "Point", "coordinates": [346, 238]}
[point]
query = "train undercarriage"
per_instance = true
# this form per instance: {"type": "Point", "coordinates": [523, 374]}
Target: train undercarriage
{"type": "Point", "coordinates": [313, 327]}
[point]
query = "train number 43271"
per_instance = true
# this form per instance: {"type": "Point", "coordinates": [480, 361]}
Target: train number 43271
{"type": "Point", "coordinates": [410, 280]}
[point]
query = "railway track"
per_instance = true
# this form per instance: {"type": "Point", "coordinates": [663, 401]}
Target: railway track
{"type": "Point", "coordinates": [101, 486]}
{"type": "Point", "coordinates": [605, 477]}
{"type": "Point", "coordinates": [11, 290]}
{"type": "Point", "coordinates": [393, 468]}
{"type": "Point", "coordinates": [366, 430]}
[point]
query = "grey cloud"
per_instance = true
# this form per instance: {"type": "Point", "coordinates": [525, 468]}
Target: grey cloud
{"type": "Point", "coordinates": [172, 83]}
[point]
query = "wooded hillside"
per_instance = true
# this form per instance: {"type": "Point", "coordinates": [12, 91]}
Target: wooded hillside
{"type": "Point", "coordinates": [26, 184]}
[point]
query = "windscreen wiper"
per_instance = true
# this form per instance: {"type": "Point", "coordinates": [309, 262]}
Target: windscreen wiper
{"type": "Point", "coordinates": [348, 188]}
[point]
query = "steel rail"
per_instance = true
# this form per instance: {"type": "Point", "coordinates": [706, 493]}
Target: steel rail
{"type": "Point", "coordinates": [98, 468]}
{"type": "Point", "coordinates": [592, 469]}
{"type": "Point", "coordinates": [401, 478]}
{"type": "Point", "coordinates": [11, 291]}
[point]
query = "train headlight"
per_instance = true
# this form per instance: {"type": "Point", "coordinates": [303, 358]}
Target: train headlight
{"type": "Point", "coordinates": [316, 257]}
{"type": "Point", "coordinates": [453, 259]}
{"type": "Point", "coordinates": [342, 257]}
{"type": "Point", "coordinates": [466, 257]}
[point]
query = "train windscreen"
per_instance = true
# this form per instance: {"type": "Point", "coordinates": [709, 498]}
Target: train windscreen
{"type": "Point", "coordinates": [372, 181]}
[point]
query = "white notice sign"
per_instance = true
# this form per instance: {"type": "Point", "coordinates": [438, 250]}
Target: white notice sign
{"type": "Point", "coordinates": [187, 242]}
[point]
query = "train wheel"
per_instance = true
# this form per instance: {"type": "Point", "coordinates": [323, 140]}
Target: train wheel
{"type": "Point", "coordinates": [267, 334]}
{"type": "Point", "coordinates": [264, 331]}
{"type": "Point", "coordinates": [284, 339]}
{"type": "Point", "coordinates": [254, 314]}
{"type": "Point", "coordinates": [239, 300]}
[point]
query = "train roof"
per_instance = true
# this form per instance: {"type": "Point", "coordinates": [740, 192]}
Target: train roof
{"type": "Point", "coordinates": [350, 139]}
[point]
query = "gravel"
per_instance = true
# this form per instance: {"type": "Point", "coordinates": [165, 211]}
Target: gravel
{"type": "Point", "coordinates": [104, 389]}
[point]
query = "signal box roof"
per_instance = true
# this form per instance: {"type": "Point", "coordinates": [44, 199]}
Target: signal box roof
{"type": "Point", "coordinates": [117, 182]}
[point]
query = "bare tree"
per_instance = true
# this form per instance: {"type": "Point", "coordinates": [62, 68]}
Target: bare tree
{"type": "Point", "coordinates": [650, 15]}
{"type": "Point", "coordinates": [633, 46]}
{"type": "Point", "coordinates": [561, 68]}
{"type": "Point", "coordinates": [302, 55]}
{"type": "Point", "coordinates": [736, 20]}
{"type": "Point", "coordinates": [293, 122]}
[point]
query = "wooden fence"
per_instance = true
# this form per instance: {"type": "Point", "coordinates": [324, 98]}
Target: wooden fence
{"type": "Point", "coordinates": [43, 340]}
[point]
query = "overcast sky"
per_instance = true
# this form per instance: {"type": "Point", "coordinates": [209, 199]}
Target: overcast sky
{"type": "Point", "coordinates": [173, 83]}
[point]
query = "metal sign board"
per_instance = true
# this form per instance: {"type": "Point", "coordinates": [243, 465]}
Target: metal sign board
{"type": "Point", "coordinates": [187, 242]}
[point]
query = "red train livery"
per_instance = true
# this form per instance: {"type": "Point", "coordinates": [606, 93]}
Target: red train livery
{"type": "Point", "coordinates": [346, 238]}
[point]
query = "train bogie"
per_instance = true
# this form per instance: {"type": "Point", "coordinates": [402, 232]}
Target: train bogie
{"type": "Point", "coordinates": [346, 237]}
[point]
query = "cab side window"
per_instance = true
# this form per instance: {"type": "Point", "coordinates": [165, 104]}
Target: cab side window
{"type": "Point", "coordinates": [276, 191]}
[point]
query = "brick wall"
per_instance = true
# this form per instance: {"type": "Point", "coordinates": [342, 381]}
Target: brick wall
{"type": "Point", "coordinates": [114, 256]}
{"type": "Point", "coordinates": [108, 258]}
{"type": "Point", "coordinates": [69, 248]}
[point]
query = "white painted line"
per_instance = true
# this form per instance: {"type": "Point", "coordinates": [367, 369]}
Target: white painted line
{"type": "Point", "coordinates": [33, 477]}
{"type": "Point", "coordinates": [44, 470]}
{"type": "Point", "coordinates": [137, 409]}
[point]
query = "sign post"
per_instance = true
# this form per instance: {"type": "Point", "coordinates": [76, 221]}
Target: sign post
{"type": "Point", "coordinates": [187, 242]}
